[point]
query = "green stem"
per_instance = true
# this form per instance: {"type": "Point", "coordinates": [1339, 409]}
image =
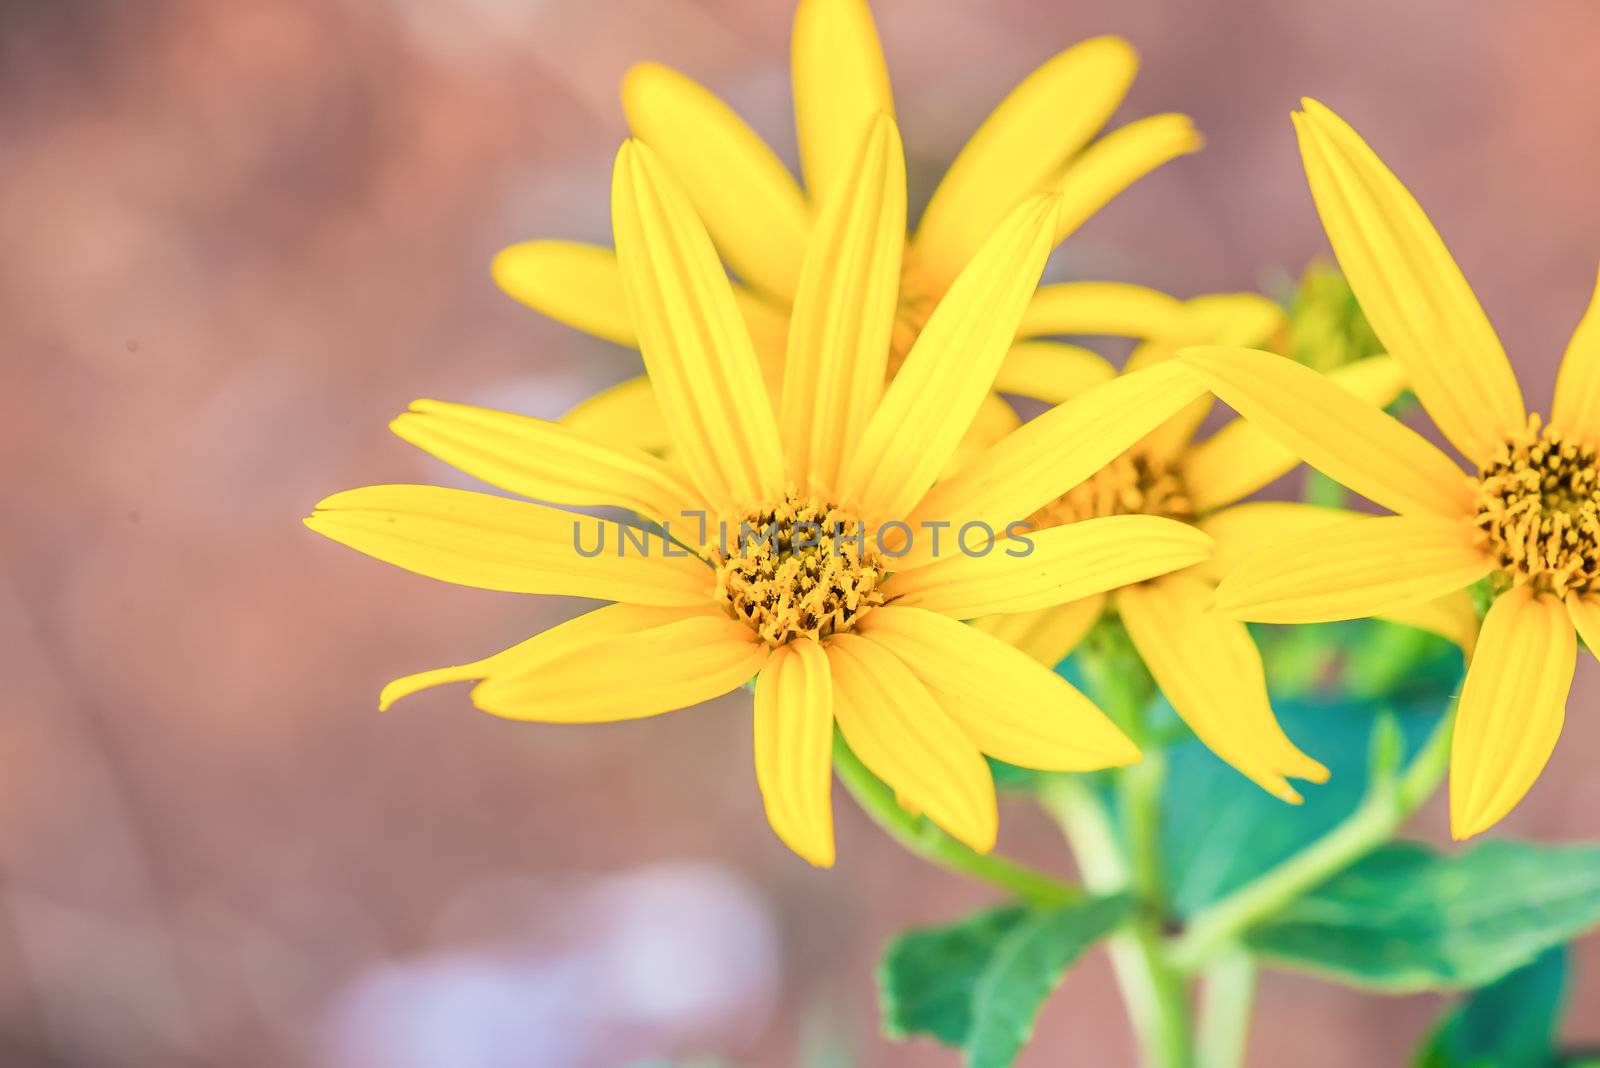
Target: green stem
{"type": "Point", "coordinates": [1155, 996]}
{"type": "Point", "coordinates": [1390, 801]}
{"type": "Point", "coordinates": [1225, 1002]}
{"type": "Point", "coordinates": [921, 837]}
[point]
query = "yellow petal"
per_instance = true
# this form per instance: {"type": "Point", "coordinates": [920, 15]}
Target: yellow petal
{"type": "Point", "coordinates": [1046, 567]}
{"type": "Point", "coordinates": [1210, 670]}
{"type": "Point", "coordinates": [844, 311]}
{"type": "Point", "coordinates": [1453, 617]}
{"type": "Point", "coordinates": [695, 347]}
{"type": "Point", "coordinates": [1215, 319]}
{"type": "Point", "coordinates": [547, 645]}
{"type": "Point", "coordinates": [1115, 162]}
{"type": "Point", "coordinates": [1243, 530]}
{"type": "Point", "coordinates": [1247, 319]}
{"type": "Point", "coordinates": [949, 370]}
{"type": "Point", "coordinates": [1335, 431]}
{"type": "Point", "coordinates": [750, 204]}
{"type": "Point", "coordinates": [891, 721]}
{"type": "Point", "coordinates": [1512, 706]}
{"type": "Point", "coordinates": [1110, 308]}
{"type": "Point", "coordinates": [794, 748]}
{"type": "Point", "coordinates": [626, 415]}
{"type": "Point", "coordinates": [1410, 288]}
{"type": "Point", "coordinates": [1241, 457]}
{"type": "Point", "coordinates": [1021, 148]}
{"type": "Point", "coordinates": [840, 82]}
{"type": "Point", "coordinates": [1368, 566]}
{"type": "Point", "coordinates": [630, 676]}
{"type": "Point", "coordinates": [569, 281]}
{"type": "Point", "coordinates": [1047, 634]}
{"type": "Point", "coordinates": [473, 539]}
{"type": "Point", "coordinates": [1577, 404]}
{"type": "Point", "coordinates": [1049, 455]}
{"type": "Point", "coordinates": [1585, 613]}
{"type": "Point", "coordinates": [1051, 371]}
{"type": "Point", "coordinates": [994, 420]}
{"type": "Point", "coordinates": [546, 461]}
{"type": "Point", "coordinates": [1011, 707]}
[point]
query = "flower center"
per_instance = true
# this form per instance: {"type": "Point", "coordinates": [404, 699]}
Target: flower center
{"type": "Point", "coordinates": [800, 568]}
{"type": "Point", "coordinates": [1129, 485]}
{"type": "Point", "coordinates": [1539, 512]}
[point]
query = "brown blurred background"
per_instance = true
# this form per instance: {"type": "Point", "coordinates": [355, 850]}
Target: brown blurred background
{"type": "Point", "coordinates": [241, 236]}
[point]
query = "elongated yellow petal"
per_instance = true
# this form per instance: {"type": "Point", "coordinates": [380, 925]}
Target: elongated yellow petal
{"type": "Point", "coordinates": [1051, 371]}
{"type": "Point", "coordinates": [1045, 567]}
{"type": "Point", "coordinates": [899, 731]}
{"type": "Point", "coordinates": [840, 82]}
{"type": "Point", "coordinates": [1512, 706]}
{"type": "Point", "coordinates": [1049, 455]}
{"type": "Point", "coordinates": [1585, 613]}
{"type": "Point", "coordinates": [1020, 148]}
{"type": "Point", "coordinates": [1577, 404]}
{"type": "Point", "coordinates": [1047, 634]}
{"type": "Point", "coordinates": [473, 539]}
{"type": "Point", "coordinates": [630, 676]}
{"type": "Point", "coordinates": [1410, 288]}
{"type": "Point", "coordinates": [1110, 308]}
{"type": "Point", "coordinates": [994, 420]}
{"type": "Point", "coordinates": [546, 461]}
{"type": "Point", "coordinates": [1243, 530]}
{"type": "Point", "coordinates": [1011, 707]}
{"type": "Point", "coordinates": [746, 197]}
{"type": "Point", "coordinates": [1115, 162]}
{"type": "Point", "coordinates": [1211, 672]}
{"type": "Point", "coordinates": [695, 347]}
{"type": "Point", "coordinates": [1335, 431]}
{"type": "Point", "coordinates": [543, 647]}
{"type": "Point", "coordinates": [1368, 566]}
{"type": "Point", "coordinates": [626, 415]}
{"type": "Point", "coordinates": [844, 310]}
{"type": "Point", "coordinates": [571, 282]}
{"type": "Point", "coordinates": [1453, 617]}
{"type": "Point", "coordinates": [794, 748]}
{"type": "Point", "coordinates": [1247, 319]}
{"type": "Point", "coordinates": [1241, 457]}
{"type": "Point", "coordinates": [949, 370]}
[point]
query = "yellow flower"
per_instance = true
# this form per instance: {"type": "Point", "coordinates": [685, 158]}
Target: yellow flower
{"type": "Point", "coordinates": [1041, 137]}
{"type": "Point", "coordinates": [1530, 517]}
{"type": "Point", "coordinates": [855, 627]}
{"type": "Point", "coordinates": [1208, 666]}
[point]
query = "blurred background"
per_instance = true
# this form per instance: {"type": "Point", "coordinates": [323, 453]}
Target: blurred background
{"type": "Point", "coordinates": [243, 236]}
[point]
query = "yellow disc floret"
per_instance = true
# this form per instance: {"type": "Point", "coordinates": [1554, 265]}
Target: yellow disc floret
{"type": "Point", "coordinates": [800, 568]}
{"type": "Point", "coordinates": [1130, 485]}
{"type": "Point", "coordinates": [1539, 512]}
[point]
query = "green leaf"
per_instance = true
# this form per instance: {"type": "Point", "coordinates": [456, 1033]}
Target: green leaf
{"type": "Point", "coordinates": [977, 984]}
{"type": "Point", "coordinates": [1219, 830]}
{"type": "Point", "coordinates": [1511, 1023]}
{"type": "Point", "coordinates": [927, 977]}
{"type": "Point", "coordinates": [1407, 918]}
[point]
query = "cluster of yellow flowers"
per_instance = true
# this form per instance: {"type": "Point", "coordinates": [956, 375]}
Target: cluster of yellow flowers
{"type": "Point", "coordinates": [805, 434]}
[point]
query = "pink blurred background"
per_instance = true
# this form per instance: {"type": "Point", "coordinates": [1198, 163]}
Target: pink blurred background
{"type": "Point", "coordinates": [242, 236]}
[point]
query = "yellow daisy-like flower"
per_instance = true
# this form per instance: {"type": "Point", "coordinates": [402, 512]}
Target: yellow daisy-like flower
{"type": "Point", "coordinates": [840, 622]}
{"type": "Point", "coordinates": [1041, 137]}
{"type": "Point", "coordinates": [1530, 517]}
{"type": "Point", "coordinates": [1207, 665]}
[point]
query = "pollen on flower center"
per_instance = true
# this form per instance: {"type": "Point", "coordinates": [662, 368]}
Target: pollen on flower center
{"type": "Point", "coordinates": [1130, 485]}
{"type": "Point", "coordinates": [1539, 511]}
{"type": "Point", "coordinates": [799, 568]}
